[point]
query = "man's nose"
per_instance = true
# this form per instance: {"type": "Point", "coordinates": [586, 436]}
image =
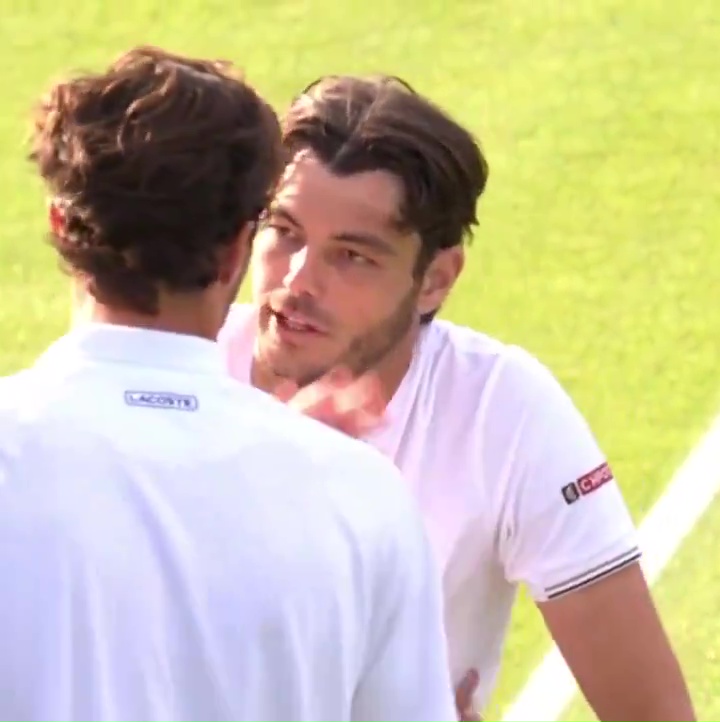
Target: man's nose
{"type": "Point", "coordinates": [303, 276]}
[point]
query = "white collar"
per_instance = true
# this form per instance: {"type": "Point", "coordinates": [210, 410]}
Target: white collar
{"type": "Point", "coordinates": [110, 343]}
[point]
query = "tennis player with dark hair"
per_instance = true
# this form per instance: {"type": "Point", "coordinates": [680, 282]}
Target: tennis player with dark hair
{"type": "Point", "coordinates": [175, 545]}
{"type": "Point", "coordinates": [362, 244]}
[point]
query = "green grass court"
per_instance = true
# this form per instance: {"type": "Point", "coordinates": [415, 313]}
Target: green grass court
{"type": "Point", "coordinates": [598, 245]}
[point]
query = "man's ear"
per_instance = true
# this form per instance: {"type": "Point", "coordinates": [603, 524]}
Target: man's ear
{"type": "Point", "coordinates": [56, 217]}
{"type": "Point", "coordinates": [439, 278]}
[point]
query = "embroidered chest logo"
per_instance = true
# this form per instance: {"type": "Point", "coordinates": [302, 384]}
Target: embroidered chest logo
{"type": "Point", "coordinates": [161, 400]}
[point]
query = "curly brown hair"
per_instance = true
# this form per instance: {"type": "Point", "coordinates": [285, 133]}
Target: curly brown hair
{"type": "Point", "coordinates": [355, 124]}
{"type": "Point", "coordinates": [156, 164]}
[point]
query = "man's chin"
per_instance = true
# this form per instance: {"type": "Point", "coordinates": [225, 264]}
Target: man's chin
{"type": "Point", "coordinates": [287, 363]}
{"type": "Point", "coordinates": [301, 376]}
{"type": "Point", "coordinates": [284, 368]}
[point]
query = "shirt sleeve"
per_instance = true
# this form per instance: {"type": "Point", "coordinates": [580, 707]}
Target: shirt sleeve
{"type": "Point", "coordinates": [406, 674]}
{"type": "Point", "coordinates": [565, 523]}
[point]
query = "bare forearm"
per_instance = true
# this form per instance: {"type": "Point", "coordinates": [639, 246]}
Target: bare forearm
{"type": "Point", "coordinates": [646, 702]}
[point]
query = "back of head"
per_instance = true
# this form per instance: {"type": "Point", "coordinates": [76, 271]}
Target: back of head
{"type": "Point", "coordinates": [154, 165]}
{"type": "Point", "coordinates": [356, 124]}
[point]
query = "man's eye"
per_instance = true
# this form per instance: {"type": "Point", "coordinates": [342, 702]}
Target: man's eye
{"type": "Point", "coordinates": [281, 230]}
{"type": "Point", "coordinates": [278, 235]}
{"type": "Point", "coordinates": [355, 258]}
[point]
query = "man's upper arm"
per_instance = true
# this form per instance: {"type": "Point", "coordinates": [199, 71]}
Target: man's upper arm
{"type": "Point", "coordinates": [572, 541]}
{"type": "Point", "coordinates": [406, 674]}
{"type": "Point", "coordinates": [565, 523]}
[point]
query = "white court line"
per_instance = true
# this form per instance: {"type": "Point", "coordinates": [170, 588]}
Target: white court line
{"type": "Point", "coordinates": [551, 686]}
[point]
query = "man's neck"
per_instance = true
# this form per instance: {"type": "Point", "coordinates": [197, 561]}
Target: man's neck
{"type": "Point", "coordinates": [181, 318]}
{"type": "Point", "coordinates": [393, 368]}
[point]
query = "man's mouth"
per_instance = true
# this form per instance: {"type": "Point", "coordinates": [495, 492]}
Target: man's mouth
{"type": "Point", "coordinates": [294, 322]}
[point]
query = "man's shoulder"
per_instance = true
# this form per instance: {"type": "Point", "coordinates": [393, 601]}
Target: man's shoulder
{"type": "Point", "coordinates": [14, 390]}
{"type": "Point", "coordinates": [14, 380]}
{"type": "Point", "coordinates": [339, 456]}
{"type": "Point", "coordinates": [481, 364]}
{"type": "Point", "coordinates": [360, 483]}
{"type": "Point", "coordinates": [328, 448]}
{"type": "Point", "coordinates": [17, 393]}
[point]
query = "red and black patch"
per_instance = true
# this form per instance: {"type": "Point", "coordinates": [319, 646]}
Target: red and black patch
{"type": "Point", "coordinates": [588, 483]}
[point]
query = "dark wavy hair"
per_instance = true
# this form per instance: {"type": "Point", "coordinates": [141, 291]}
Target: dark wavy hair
{"type": "Point", "coordinates": [155, 164]}
{"type": "Point", "coordinates": [355, 124]}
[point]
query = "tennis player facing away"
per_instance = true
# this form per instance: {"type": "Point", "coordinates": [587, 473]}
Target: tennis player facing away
{"type": "Point", "coordinates": [362, 244]}
{"type": "Point", "coordinates": [175, 545]}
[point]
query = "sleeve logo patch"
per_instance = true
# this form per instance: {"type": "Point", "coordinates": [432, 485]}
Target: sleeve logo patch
{"type": "Point", "coordinates": [161, 400]}
{"type": "Point", "coordinates": [587, 484]}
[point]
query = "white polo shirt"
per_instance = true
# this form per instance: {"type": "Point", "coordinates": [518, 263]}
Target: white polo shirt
{"type": "Point", "coordinates": [510, 479]}
{"type": "Point", "coordinates": [177, 546]}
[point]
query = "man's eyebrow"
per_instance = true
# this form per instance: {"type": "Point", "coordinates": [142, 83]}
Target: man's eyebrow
{"type": "Point", "coordinates": [368, 240]}
{"type": "Point", "coordinates": [278, 210]}
{"type": "Point", "coordinates": [359, 238]}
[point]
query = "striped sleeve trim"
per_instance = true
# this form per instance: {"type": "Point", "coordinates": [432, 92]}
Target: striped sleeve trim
{"type": "Point", "coordinates": [595, 574]}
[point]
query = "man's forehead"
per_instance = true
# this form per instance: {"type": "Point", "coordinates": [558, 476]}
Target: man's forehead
{"type": "Point", "coordinates": [370, 196]}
